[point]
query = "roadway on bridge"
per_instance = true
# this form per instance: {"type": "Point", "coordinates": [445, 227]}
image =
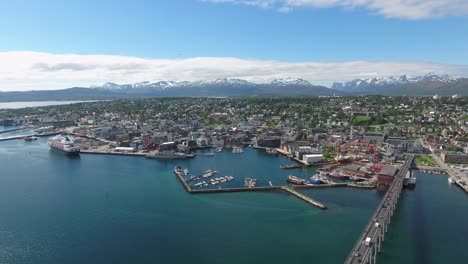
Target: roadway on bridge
{"type": "Point", "coordinates": [361, 252]}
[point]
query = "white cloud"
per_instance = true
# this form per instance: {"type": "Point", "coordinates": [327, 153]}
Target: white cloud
{"type": "Point", "coordinates": [24, 70]}
{"type": "Point", "coordinates": [405, 9]}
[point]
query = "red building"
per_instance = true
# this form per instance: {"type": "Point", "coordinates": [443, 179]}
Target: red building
{"type": "Point", "coordinates": [386, 175]}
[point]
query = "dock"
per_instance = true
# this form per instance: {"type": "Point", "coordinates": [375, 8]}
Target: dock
{"type": "Point", "coordinates": [258, 189]}
{"type": "Point", "coordinates": [304, 198]}
{"type": "Point", "coordinates": [13, 130]}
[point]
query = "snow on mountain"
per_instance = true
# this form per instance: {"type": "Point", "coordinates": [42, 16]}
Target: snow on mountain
{"type": "Point", "coordinates": [289, 81]}
{"type": "Point", "coordinates": [361, 85]}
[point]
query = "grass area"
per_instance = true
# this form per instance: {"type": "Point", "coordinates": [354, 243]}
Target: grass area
{"type": "Point", "coordinates": [361, 118]}
{"type": "Point", "coordinates": [425, 160]}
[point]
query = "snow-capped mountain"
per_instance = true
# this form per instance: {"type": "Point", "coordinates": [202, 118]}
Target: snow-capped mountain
{"type": "Point", "coordinates": [375, 84]}
{"type": "Point", "coordinates": [220, 87]}
{"type": "Point", "coordinates": [290, 81]}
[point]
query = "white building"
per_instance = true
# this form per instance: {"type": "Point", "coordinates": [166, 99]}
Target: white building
{"type": "Point", "coordinates": [312, 158]}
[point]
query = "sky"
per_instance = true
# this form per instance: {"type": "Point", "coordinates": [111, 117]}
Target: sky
{"type": "Point", "coordinates": [54, 44]}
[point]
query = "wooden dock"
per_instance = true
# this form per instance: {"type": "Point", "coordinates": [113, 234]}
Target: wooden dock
{"type": "Point", "coordinates": [304, 198]}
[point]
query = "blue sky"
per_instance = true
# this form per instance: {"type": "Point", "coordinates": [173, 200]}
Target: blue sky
{"type": "Point", "coordinates": [288, 32]}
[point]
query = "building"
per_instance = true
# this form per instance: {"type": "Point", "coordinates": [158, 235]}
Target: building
{"type": "Point", "coordinates": [125, 149]}
{"type": "Point", "coordinates": [454, 157]}
{"type": "Point", "coordinates": [386, 175]}
{"type": "Point", "coordinates": [354, 170]}
{"type": "Point", "coordinates": [365, 113]}
{"type": "Point", "coordinates": [312, 158]}
{"type": "Point", "coordinates": [403, 144]}
{"type": "Point", "coordinates": [374, 137]}
{"type": "Point", "coordinates": [269, 142]}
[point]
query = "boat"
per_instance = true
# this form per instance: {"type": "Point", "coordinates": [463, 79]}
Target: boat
{"type": "Point", "coordinates": [64, 144]}
{"type": "Point", "coordinates": [29, 138]}
{"type": "Point", "coordinates": [168, 155]}
{"type": "Point", "coordinates": [208, 173]}
{"type": "Point", "coordinates": [249, 182]}
{"type": "Point", "coordinates": [450, 180]}
{"type": "Point", "coordinates": [271, 151]}
{"type": "Point", "coordinates": [412, 183]}
{"type": "Point", "coordinates": [354, 178]}
{"type": "Point", "coordinates": [335, 175]}
{"type": "Point", "coordinates": [295, 180]}
{"type": "Point", "coordinates": [186, 172]}
{"type": "Point", "coordinates": [291, 166]}
{"type": "Point", "coordinates": [237, 150]}
{"type": "Point", "coordinates": [219, 149]}
{"type": "Point", "coordinates": [315, 179]}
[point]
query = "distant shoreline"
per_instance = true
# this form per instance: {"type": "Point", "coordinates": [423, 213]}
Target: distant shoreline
{"type": "Point", "coordinates": [25, 104]}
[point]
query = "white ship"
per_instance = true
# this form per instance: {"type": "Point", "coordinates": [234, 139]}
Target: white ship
{"type": "Point", "coordinates": [63, 143]}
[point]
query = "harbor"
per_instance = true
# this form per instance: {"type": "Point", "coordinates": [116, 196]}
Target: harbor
{"type": "Point", "coordinates": [145, 187]}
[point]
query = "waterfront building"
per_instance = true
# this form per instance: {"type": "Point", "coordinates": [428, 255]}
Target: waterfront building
{"type": "Point", "coordinates": [386, 175]}
{"type": "Point", "coordinates": [269, 142]}
{"type": "Point", "coordinates": [454, 157]}
{"type": "Point", "coordinates": [312, 158]}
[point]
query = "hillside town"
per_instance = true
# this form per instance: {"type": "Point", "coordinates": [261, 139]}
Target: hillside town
{"type": "Point", "coordinates": [322, 130]}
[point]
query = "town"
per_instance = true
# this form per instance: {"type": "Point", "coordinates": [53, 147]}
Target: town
{"type": "Point", "coordinates": [356, 137]}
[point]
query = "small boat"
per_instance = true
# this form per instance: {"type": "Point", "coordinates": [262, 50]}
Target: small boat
{"type": "Point", "coordinates": [271, 151]}
{"type": "Point", "coordinates": [354, 179]}
{"type": "Point", "coordinates": [219, 149]}
{"type": "Point", "coordinates": [186, 172]}
{"type": "Point", "coordinates": [295, 180]}
{"type": "Point", "coordinates": [29, 138]}
{"type": "Point", "coordinates": [291, 166]}
{"type": "Point", "coordinates": [450, 180]}
{"type": "Point", "coordinates": [315, 179]}
{"type": "Point", "coordinates": [335, 175]}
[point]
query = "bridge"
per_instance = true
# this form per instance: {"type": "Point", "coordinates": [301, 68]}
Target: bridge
{"type": "Point", "coordinates": [370, 241]}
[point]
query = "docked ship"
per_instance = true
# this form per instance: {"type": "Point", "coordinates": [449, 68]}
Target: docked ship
{"type": "Point", "coordinates": [450, 180]}
{"type": "Point", "coordinates": [315, 179]}
{"type": "Point", "coordinates": [63, 143]}
{"type": "Point", "coordinates": [29, 138]}
{"type": "Point", "coordinates": [295, 180]}
{"type": "Point", "coordinates": [336, 175]}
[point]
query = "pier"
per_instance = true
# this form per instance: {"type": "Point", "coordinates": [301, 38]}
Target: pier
{"type": "Point", "coordinates": [271, 187]}
{"type": "Point", "coordinates": [370, 241]}
{"type": "Point", "coordinates": [13, 130]}
{"type": "Point", "coordinates": [304, 198]}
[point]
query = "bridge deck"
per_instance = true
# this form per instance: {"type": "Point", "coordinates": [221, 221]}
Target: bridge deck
{"type": "Point", "coordinates": [362, 253]}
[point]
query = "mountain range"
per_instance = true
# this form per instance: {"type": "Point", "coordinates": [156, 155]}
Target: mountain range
{"type": "Point", "coordinates": [429, 84]}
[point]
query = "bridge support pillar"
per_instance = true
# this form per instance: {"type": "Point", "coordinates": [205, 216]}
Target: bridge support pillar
{"type": "Point", "coordinates": [374, 254]}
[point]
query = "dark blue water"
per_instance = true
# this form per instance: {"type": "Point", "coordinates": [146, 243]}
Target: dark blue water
{"type": "Point", "coordinates": [117, 209]}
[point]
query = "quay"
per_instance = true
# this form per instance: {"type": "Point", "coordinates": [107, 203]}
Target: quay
{"type": "Point", "coordinates": [258, 189]}
{"type": "Point", "coordinates": [370, 241]}
{"type": "Point", "coordinates": [11, 138]}
{"type": "Point", "coordinates": [304, 198]}
{"type": "Point", "coordinates": [97, 152]}
{"type": "Point", "coordinates": [13, 130]}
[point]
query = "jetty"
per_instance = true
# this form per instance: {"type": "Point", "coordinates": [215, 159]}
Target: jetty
{"type": "Point", "coordinates": [271, 187]}
{"type": "Point", "coordinates": [304, 198]}
{"type": "Point", "coordinates": [13, 130]}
